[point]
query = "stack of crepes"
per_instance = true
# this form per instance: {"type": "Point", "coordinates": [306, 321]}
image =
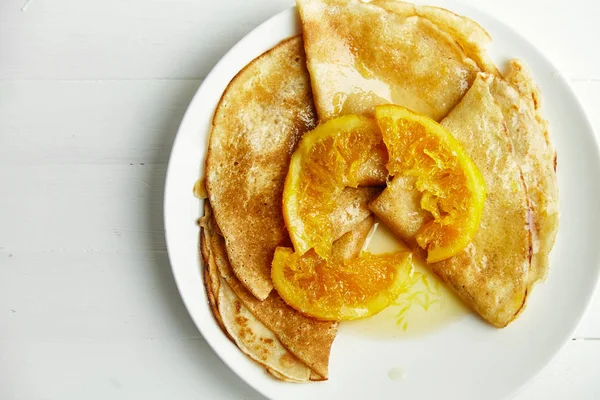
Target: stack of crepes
{"type": "Point", "coordinates": [352, 57]}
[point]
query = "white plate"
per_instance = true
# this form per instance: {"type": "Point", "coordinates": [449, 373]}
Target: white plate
{"type": "Point", "coordinates": [466, 360]}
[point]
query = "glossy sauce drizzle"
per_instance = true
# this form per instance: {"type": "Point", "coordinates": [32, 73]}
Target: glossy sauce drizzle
{"type": "Point", "coordinates": [425, 306]}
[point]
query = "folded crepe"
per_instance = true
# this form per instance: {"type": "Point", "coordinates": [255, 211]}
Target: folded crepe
{"type": "Point", "coordinates": [520, 102]}
{"type": "Point", "coordinates": [361, 54]}
{"type": "Point", "coordinates": [290, 346]}
{"type": "Point", "coordinates": [261, 117]}
{"type": "Point", "coordinates": [492, 274]}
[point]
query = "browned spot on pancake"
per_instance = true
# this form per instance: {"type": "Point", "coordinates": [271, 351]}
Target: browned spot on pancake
{"type": "Point", "coordinates": [266, 340]}
{"type": "Point", "coordinates": [287, 359]}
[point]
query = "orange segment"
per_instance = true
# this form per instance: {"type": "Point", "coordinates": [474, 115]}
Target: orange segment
{"type": "Point", "coordinates": [452, 188]}
{"type": "Point", "coordinates": [337, 290]}
{"type": "Point", "coordinates": [342, 152]}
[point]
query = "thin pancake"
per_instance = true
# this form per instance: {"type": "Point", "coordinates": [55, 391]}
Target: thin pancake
{"type": "Point", "coordinates": [352, 207]}
{"type": "Point", "coordinates": [280, 377]}
{"type": "Point", "coordinates": [256, 340]}
{"type": "Point", "coordinates": [350, 244]}
{"type": "Point", "coordinates": [363, 54]}
{"type": "Point", "coordinates": [241, 326]}
{"type": "Point", "coordinates": [471, 36]}
{"type": "Point", "coordinates": [256, 127]}
{"type": "Point", "coordinates": [212, 280]}
{"type": "Point", "coordinates": [399, 208]}
{"type": "Point", "coordinates": [519, 100]}
{"type": "Point", "coordinates": [307, 339]}
{"type": "Point", "coordinates": [263, 113]}
{"type": "Point", "coordinates": [491, 274]}
{"type": "Point", "coordinates": [313, 376]}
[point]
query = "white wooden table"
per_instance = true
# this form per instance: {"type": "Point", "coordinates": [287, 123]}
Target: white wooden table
{"type": "Point", "coordinates": [91, 95]}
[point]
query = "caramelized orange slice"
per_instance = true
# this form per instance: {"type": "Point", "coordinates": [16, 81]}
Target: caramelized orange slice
{"type": "Point", "coordinates": [452, 188]}
{"type": "Point", "coordinates": [336, 289]}
{"type": "Point", "coordinates": [342, 152]}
